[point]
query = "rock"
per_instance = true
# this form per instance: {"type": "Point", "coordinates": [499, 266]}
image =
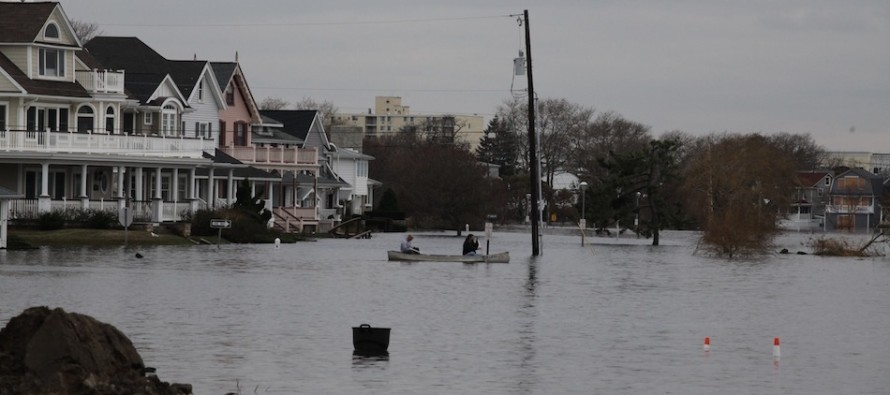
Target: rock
{"type": "Point", "coordinates": [50, 351]}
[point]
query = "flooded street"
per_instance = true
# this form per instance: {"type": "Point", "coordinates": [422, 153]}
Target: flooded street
{"type": "Point", "coordinates": [611, 317]}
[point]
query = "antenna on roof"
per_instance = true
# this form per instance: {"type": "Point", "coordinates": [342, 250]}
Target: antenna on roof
{"type": "Point", "coordinates": [236, 56]}
{"type": "Point", "coordinates": [195, 56]}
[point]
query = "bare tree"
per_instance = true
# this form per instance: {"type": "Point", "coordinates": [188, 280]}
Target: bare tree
{"type": "Point", "coordinates": [274, 103]}
{"type": "Point", "coordinates": [802, 148]}
{"type": "Point", "coordinates": [735, 185]}
{"type": "Point", "coordinates": [85, 31]}
{"type": "Point", "coordinates": [326, 110]}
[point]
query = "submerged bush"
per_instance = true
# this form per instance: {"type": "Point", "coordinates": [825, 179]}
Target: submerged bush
{"type": "Point", "coordinates": [52, 220]}
{"type": "Point", "coordinates": [100, 219]}
{"type": "Point", "coordinates": [834, 247]}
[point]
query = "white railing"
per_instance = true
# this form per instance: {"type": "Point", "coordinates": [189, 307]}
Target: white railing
{"type": "Point", "coordinates": [274, 155]}
{"type": "Point", "coordinates": [843, 209]}
{"type": "Point", "coordinates": [173, 211]}
{"type": "Point", "coordinates": [105, 144]}
{"type": "Point", "coordinates": [23, 208]}
{"type": "Point", "coordinates": [101, 81]}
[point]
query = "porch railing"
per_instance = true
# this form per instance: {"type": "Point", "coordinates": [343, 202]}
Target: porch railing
{"type": "Point", "coordinates": [104, 81]}
{"type": "Point", "coordinates": [274, 155]}
{"type": "Point", "coordinates": [845, 209]}
{"type": "Point", "coordinates": [104, 143]}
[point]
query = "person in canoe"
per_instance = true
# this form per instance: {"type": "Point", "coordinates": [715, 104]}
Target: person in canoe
{"type": "Point", "coordinates": [406, 246]}
{"type": "Point", "coordinates": [471, 245]}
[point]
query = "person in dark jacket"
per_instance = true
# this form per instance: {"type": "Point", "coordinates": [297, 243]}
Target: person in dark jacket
{"type": "Point", "coordinates": [471, 244]}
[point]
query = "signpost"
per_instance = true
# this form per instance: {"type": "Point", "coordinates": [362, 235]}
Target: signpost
{"type": "Point", "coordinates": [220, 224]}
{"type": "Point", "coordinates": [488, 229]}
{"type": "Point", "coordinates": [125, 217]}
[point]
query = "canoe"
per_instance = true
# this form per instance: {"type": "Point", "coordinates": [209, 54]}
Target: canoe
{"type": "Point", "coordinates": [501, 257]}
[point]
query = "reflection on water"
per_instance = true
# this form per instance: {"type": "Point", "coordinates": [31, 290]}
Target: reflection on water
{"type": "Point", "coordinates": [614, 316]}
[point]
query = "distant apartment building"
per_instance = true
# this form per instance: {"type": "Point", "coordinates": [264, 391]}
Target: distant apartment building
{"type": "Point", "coordinates": [876, 163]}
{"type": "Point", "coordinates": [390, 116]}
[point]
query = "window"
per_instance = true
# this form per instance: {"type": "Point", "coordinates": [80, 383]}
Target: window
{"type": "Point", "coordinates": [168, 120]}
{"type": "Point", "coordinates": [361, 168]}
{"type": "Point", "coordinates": [848, 183]}
{"type": "Point", "coordinates": [85, 119]}
{"type": "Point", "coordinates": [42, 118]}
{"type": "Point", "coordinates": [148, 118]}
{"type": "Point", "coordinates": [52, 62]}
{"type": "Point", "coordinates": [201, 91]}
{"type": "Point", "coordinates": [202, 129]}
{"type": "Point", "coordinates": [109, 119]}
{"type": "Point", "coordinates": [2, 117]}
{"type": "Point", "coordinates": [165, 187]}
{"type": "Point", "coordinates": [240, 135]}
{"type": "Point", "coordinates": [51, 32]}
{"type": "Point", "coordinates": [230, 95]}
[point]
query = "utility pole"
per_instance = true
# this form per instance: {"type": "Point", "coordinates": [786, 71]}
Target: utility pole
{"type": "Point", "coordinates": [535, 177]}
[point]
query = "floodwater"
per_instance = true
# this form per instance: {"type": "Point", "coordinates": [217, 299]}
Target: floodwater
{"type": "Point", "coordinates": [611, 317]}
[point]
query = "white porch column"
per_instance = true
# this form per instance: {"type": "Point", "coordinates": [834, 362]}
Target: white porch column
{"type": "Point", "coordinates": [211, 188]}
{"type": "Point", "coordinates": [4, 216]}
{"type": "Point", "coordinates": [268, 196]}
{"type": "Point", "coordinates": [230, 196]}
{"type": "Point", "coordinates": [174, 184]}
{"type": "Point", "coordinates": [139, 196]}
{"type": "Point", "coordinates": [174, 191]}
{"type": "Point", "coordinates": [44, 203]}
{"type": "Point", "coordinates": [157, 203]}
{"type": "Point", "coordinates": [193, 201]}
{"type": "Point", "coordinates": [84, 198]}
{"type": "Point", "coordinates": [121, 198]}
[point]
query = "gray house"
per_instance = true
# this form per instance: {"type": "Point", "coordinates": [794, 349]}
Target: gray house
{"type": "Point", "coordinates": [855, 201]}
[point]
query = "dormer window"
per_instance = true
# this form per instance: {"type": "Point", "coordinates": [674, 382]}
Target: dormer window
{"type": "Point", "coordinates": [51, 32]}
{"type": "Point", "coordinates": [230, 95]}
{"type": "Point", "coordinates": [201, 91]}
{"type": "Point", "coordinates": [52, 62]}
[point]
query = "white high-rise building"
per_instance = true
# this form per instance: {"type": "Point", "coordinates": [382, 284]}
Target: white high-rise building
{"type": "Point", "coordinates": [390, 116]}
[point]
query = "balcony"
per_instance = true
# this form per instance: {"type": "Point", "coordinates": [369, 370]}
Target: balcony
{"type": "Point", "coordinates": [274, 155]}
{"type": "Point", "coordinates": [846, 209]}
{"type": "Point", "coordinates": [101, 81]}
{"type": "Point", "coordinates": [103, 144]}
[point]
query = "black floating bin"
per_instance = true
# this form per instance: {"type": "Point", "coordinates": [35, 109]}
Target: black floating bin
{"type": "Point", "coordinates": [368, 340]}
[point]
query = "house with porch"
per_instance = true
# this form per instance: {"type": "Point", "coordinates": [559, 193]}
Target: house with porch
{"type": "Point", "coordinates": [252, 139]}
{"type": "Point", "coordinates": [75, 133]}
{"type": "Point", "coordinates": [808, 204]}
{"type": "Point", "coordinates": [317, 189]}
{"type": "Point", "coordinates": [855, 201]}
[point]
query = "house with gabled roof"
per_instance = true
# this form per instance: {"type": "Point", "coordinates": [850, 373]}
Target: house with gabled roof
{"type": "Point", "coordinates": [855, 201]}
{"type": "Point", "coordinates": [255, 140]}
{"type": "Point", "coordinates": [78, 133]}
{"type": "Point", "coordinates": [807, 210]}
{"type": "Point", "coordinates": [205, 107]}
{"type": "Point", "coordinates": [304, 191]}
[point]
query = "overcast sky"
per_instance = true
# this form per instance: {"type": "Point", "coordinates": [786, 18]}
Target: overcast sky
{"type": "Point", "coordinates": [800, 66]}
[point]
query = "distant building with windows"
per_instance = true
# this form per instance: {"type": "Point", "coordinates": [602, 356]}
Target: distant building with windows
{"type": "Point", "coordinates": [876, 163]}
{"type": "Point", "coordinates": [389, 116]}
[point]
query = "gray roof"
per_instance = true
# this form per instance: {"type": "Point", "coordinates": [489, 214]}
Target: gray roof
{"type": "Point", "coordinates": [223, 72]}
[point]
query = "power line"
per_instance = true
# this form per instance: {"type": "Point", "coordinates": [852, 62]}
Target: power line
{"type": "Point", "coordinates": [379, 90]}
{"type": "Point", "coordinates": [381, 22]}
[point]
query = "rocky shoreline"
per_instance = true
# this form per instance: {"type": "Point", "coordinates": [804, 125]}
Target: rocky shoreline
{"type": "Point", "coordinates": [51, 351]}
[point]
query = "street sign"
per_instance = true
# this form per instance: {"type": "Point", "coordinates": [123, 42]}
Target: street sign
{"type": "Point", "coordinates": [220, 223]}
{"type": "Point", "coordinates": [125, 217]}
{"type": "Point", "coordinates": [488, 229]}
